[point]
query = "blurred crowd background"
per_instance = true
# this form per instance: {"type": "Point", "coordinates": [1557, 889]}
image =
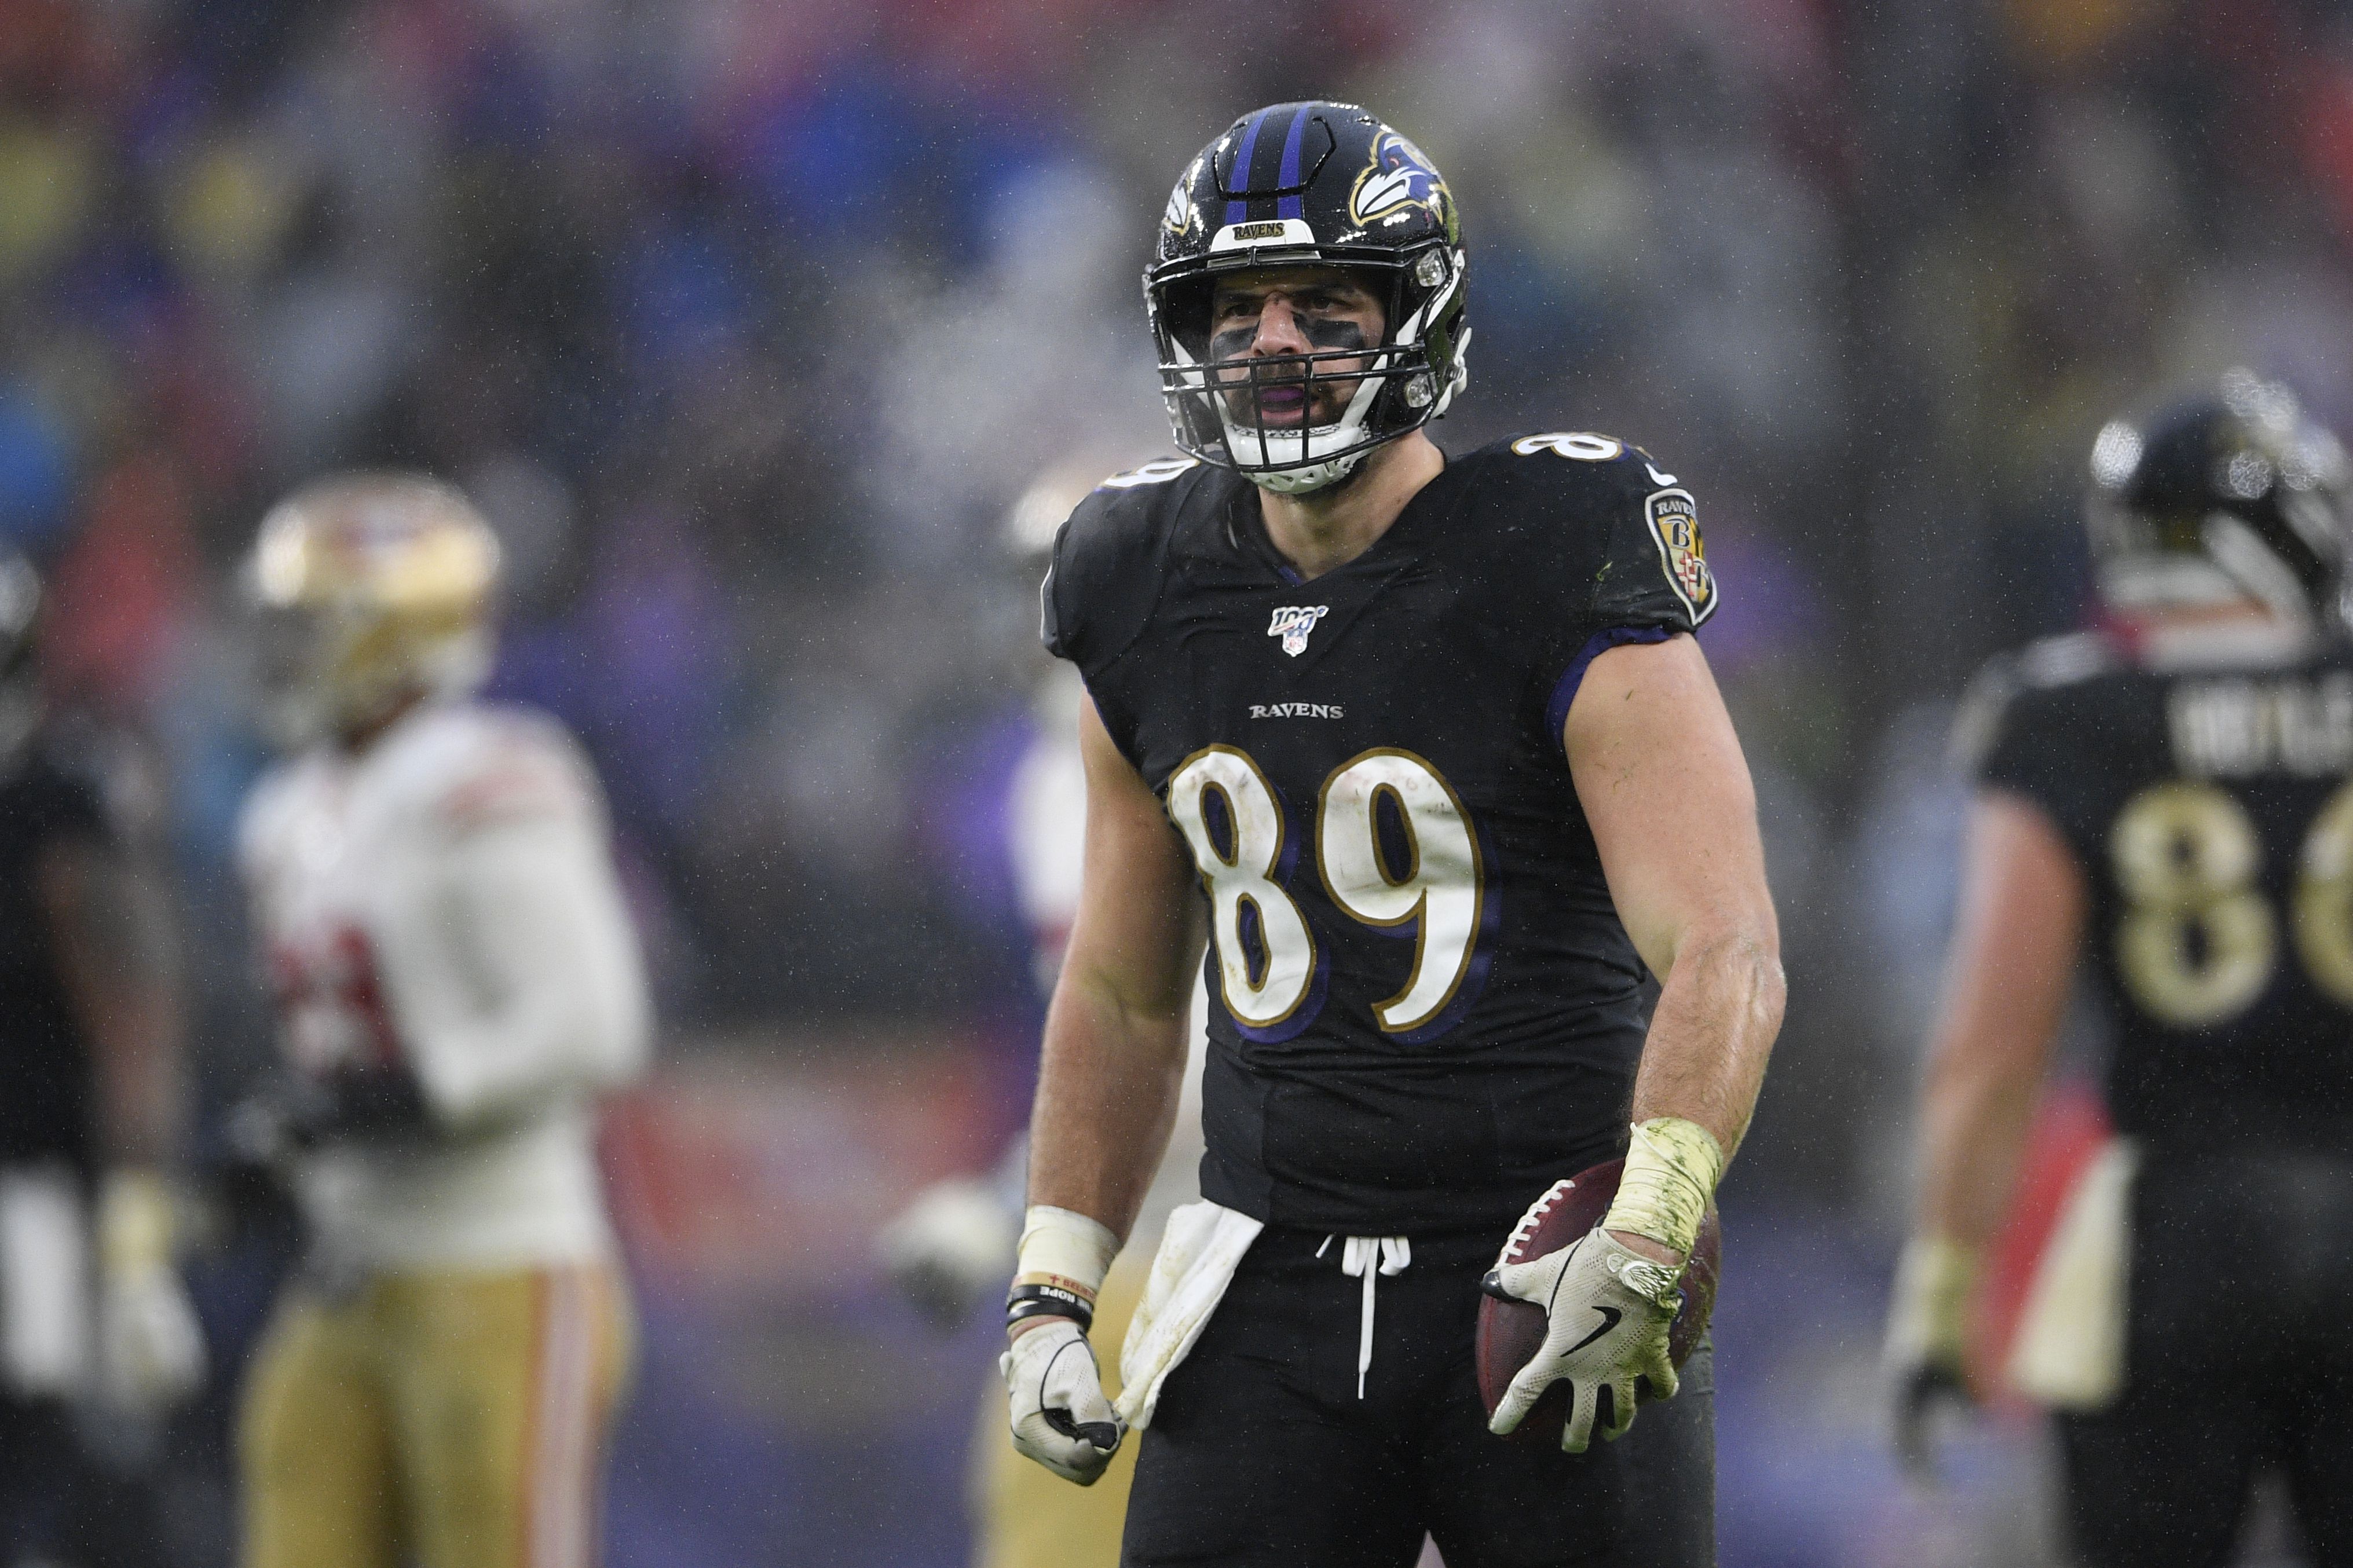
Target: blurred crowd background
{"type": "Point", "coordinates": [748, 321]}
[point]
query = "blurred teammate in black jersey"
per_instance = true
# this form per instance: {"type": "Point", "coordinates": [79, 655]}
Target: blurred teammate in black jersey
{"type": "Point", "coordinates": [2169, 800]}
{"type": "Point", "coordinates": [1426, 744]}
{"type": "Point", "coordinates": [92, 1316]}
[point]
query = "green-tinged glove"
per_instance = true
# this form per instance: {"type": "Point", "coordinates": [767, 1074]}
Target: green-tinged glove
{"type": "Point", "coordinates": [1928, 1342]}
{"type": "Point", "coordinates": [151, 1347]}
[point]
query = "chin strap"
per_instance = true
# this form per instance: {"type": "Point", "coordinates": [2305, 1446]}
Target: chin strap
{"type": "Point", "coordinates": [1310, 473]}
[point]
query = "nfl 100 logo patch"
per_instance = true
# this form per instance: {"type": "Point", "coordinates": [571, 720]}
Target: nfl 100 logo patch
{"type": "Point", "coordinates": [1294, 622]}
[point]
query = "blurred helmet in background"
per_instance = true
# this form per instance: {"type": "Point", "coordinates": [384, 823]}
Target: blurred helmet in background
{"type": "Point", "coordinates": [2229, 495]}
{"type": "Point", "coordinates": [372, 590]}
{"type": "Point", "coordinates": [20, 664]}
{"type": "Point", "coordinates": [1025, 549]}
{"type": "Point", "coordinates": [1309, 185]}
{"type": "Point", "coordinates": [1027, 536]}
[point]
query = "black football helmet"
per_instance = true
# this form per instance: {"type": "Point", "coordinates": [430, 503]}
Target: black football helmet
{"type": "Point", "coordinates": [1295, 184]}
{"type": "Point", "coordinates": [2230, 494]}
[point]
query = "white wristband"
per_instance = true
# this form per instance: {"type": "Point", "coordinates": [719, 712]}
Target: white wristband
{"type": "Point", "coordinates": [1066, 1245]}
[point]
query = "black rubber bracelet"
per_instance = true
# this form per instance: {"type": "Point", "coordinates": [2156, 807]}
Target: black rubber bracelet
{"type": "Point", "coordinates": [1023, 1311]}
{"type": "Point", "coordinates": [1047, 1301]}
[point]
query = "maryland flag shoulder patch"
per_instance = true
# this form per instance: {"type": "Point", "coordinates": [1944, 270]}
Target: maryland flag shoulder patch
{"type": "Point", "coordinates": [1674, 524]}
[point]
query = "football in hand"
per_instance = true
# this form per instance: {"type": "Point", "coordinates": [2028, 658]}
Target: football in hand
{"type": "Point", "coordinates": [1510, 1333]}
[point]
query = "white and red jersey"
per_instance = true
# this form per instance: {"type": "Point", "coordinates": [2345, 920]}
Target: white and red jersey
{"type": "Point", "coordinates": [447, 897]}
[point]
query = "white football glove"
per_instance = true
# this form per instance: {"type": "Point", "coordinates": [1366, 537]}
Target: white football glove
{"type": "Point", "coordinates": [1609, 1310]}
{"type": "Point", "coordinates": [950, 1246]}
{"type": "Point", "coordinates": [1060, 1417]}
{"type": "Point", "coordinates": [151, 1349]}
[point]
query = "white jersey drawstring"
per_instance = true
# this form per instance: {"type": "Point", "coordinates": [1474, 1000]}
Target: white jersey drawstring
{"type": "Point", "coordinates": [1356, 1261]}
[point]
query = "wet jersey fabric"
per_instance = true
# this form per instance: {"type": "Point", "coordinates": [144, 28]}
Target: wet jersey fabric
{"type": "Point", "coordinates": [1424, 1008]}
{"type": "Point", "coordinates": [46, 1089]}
{"type": "Point", "coordinates": [2210, 806]}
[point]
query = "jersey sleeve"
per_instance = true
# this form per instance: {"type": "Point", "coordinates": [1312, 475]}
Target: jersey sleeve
{"type": "Point", "coordinates": [1104, 577]}
{"type": "Point", "coordinates": [1612, 552]}
{"type": "Point", "coordinates": [527, 769]}
{"type": "Point", "coordinates": [1654, 573]}
{"type": "Point", "coordinates": [262, 829]}
{"type": "Point", "coordinates": [2033, 739]}
{"type": "Point", "coordinates": [515, 973]}
{"type": "Point", "coordinates": [1107, 576]}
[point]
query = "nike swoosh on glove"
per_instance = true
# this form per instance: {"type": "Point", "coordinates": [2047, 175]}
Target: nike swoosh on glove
{"type": "Point", "coordinates": [1603, 1333]}
{"type": "Point", "coordinates": [1060, 1417]}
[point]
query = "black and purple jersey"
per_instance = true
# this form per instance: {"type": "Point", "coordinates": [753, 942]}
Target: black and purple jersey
{"type": "Point", "coordinates": [47, 1087]}
{"type": "Point", "coordinates": [1423, 1006]}
{"type": "Point", "coordinates": [2210, 806]}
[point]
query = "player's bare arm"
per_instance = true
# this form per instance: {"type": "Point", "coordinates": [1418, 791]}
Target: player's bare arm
{"type": "Point", "coordinates": [1113, 1066]}
{"type": "Point", "coordinates": [1114, 1045]}
{"type": "Point", "coordinates": [2021, 916]}
{"type": "Point", "coordinates": [115, 952]}
{"type": "Point", "coordinates": [1662, 778]}
{"type": "Point", "coordinates": [1667, 793]}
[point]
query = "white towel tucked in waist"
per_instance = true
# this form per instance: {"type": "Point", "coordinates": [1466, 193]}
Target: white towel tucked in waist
{"type": "Point", "coordinates": [1200, 1251]}
{"type": "Point", "coordinates": [2070, 1350]}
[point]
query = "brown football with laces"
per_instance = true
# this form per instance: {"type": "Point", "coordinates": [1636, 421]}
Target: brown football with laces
{"type": "Point", "coordinates": [1511, 1333]}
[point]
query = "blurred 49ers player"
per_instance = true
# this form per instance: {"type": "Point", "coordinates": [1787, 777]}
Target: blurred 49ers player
{"type": "Point", "coordinates": [456, 980]}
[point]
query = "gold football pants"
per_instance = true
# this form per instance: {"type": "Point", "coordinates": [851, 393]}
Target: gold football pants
{"type": "Point", "coordinates": [1027, 1516]}
{"type": "Point", "coordinates": [457, 1420]}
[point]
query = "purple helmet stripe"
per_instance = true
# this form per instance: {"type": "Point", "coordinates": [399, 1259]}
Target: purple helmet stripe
{"type": "Point", "coordinates": [1236, 210]}
{"type": "Point", "coordinates": [1292, 206]}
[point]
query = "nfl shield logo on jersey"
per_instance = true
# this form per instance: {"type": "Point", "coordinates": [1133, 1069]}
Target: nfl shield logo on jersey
{"type": "Point", "coordinates": [1294, 622]}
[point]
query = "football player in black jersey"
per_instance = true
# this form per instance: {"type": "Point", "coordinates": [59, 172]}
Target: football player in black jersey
{"type": "Point", "coordinates": [2168, 799]}
{"type": "Point", "coordinates": [1426, 745]}
{"type": "Point", "coordinates": [90, 1024]}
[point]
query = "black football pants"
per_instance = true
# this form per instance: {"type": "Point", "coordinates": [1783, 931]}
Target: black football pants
{"type": "Point", "coordinates": [1261, 1453]}
{"type": "Point", "coordinates": [2238, 1354]}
